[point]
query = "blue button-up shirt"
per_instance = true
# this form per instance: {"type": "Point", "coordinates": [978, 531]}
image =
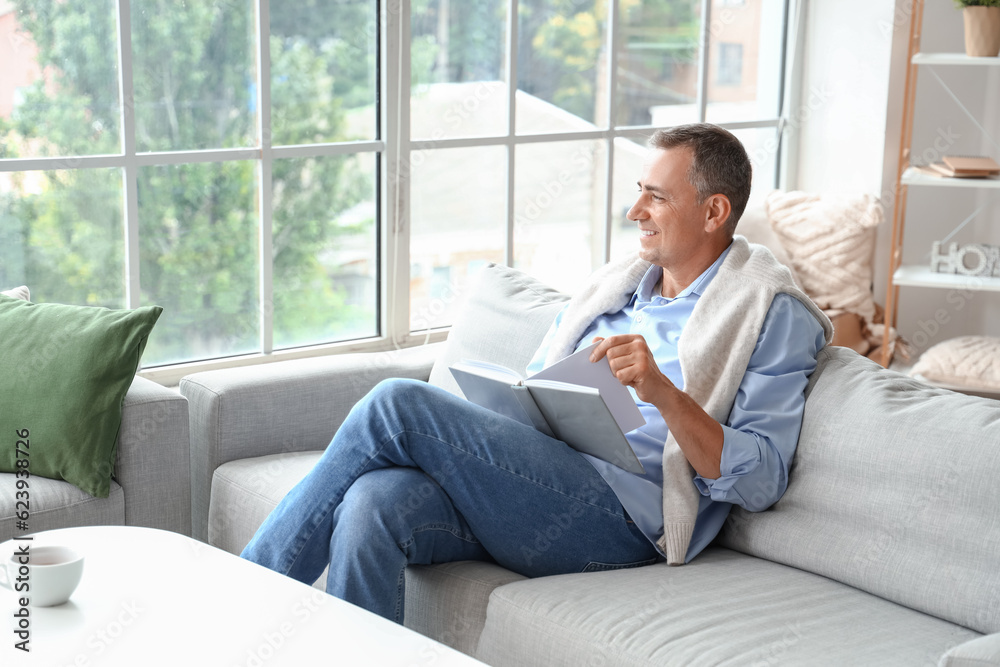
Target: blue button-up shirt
{"type": "Point", "coordinates": [763, 427]}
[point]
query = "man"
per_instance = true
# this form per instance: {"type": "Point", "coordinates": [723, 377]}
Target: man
{"type": "Point", "coordinates": [713, 337]}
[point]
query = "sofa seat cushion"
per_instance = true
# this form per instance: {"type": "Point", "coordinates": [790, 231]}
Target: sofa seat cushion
{"type": "Point", "coordinates": [723, 608]}
{"type": "Point", "coordinates": [448, 602]}
{"type": "Point", "coordinates": [245, 491]}
{"type": "Point", "coordinates": [58, 504]}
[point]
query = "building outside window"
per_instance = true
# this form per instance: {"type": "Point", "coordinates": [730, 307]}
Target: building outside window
{"type": "Point", "coordinates": [730, 68]}
{"type": "Point", "coordinates": [291, 178]}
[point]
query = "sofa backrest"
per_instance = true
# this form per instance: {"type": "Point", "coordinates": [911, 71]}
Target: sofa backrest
{"type": "Point", "coordinates": [893, 490]}
{"type": "Point", "coordinates": [503, 319]}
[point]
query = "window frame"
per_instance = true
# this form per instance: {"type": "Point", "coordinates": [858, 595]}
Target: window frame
{"type": "Point", "coordinates": [394, 149]}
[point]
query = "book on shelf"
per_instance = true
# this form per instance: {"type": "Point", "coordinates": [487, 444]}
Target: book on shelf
{"type": "Point", "coordinates": [975, 164]}
{"type": "Point", "coordinates": [574, 400]}
{"type": "Point", "coordinates": [954, 166]}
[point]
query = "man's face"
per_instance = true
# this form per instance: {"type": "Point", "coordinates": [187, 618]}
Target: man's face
{"type": "Point", "coordinates": [671, 221]}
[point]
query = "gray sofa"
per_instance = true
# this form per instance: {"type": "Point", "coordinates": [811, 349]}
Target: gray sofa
{"type": "Point", "coordinates": [151, 483]}
{"type": "Point", "coordinates": [885, 549]}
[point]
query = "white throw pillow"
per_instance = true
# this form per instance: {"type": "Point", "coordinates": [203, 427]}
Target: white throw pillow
{"type": "Point", "coordinates": [971, 362]}
{"type": "Point", "coordinates": [503, 319]}
{"type": "Point", "coordinates": [18, 293]}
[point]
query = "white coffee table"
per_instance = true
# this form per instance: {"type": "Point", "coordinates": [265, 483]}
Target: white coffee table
{"type": "Point", "coordinates": [151, 597]}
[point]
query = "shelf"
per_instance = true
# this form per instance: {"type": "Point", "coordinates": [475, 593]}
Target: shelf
{"type": "Point", "coordinates": [922, 276]}
{"type": "Point", "coordinates": [912, 176]}
{"type": "Point", "coordinates": [953, 59]}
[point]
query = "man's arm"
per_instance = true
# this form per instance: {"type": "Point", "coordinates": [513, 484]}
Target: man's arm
{"type": "Point", "coordinates": [700, 437]}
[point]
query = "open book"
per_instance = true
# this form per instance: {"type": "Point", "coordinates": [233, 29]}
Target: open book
{"type": "Point", "coordinates": [579, 402]}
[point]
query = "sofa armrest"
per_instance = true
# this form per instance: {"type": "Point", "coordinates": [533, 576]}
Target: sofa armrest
{"type": "Point", "coordinates": [979, 652]}
{"type": "Point", "coordinates": [287, 406]}
{"type": "Point", "coordinates": [153, 461]}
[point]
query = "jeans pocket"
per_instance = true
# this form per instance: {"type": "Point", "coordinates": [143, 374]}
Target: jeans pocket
{"type": "Point", "coordinates": [594, 566]}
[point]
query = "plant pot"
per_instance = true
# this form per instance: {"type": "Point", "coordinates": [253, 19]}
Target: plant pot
{"type": "Point", "coordinates": [982, 31]}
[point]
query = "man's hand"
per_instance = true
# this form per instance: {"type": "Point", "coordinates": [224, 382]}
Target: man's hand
{"type": "Point", "coordinates": [700, 437]}
{"type": "Point", "coordinates": [633, 364]}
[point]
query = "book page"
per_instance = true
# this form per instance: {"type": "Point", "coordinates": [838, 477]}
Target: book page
{"type": "Point", "coordinates": [489, 370]}
{"type": "Point", "coordinates": [579, 370]}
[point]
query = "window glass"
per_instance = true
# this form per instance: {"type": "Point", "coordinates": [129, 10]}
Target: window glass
{"type": "Point", "coordinates": [61, 234]}
{"type": "Point", "coordinates": [457, 69]}
{"type": "Point", "coordinates": [745, 70]}
{"type": "Point", "coordinates": [198, 248]}
{"type": "Point", "coordinates": [559, 206]}
{"type": "Point", "coordinates": [194, 74]}
{"type": "Point", "coordinates": [629, 157]}
{"type": "Point", "coordinates": [324, 249]}
{"type": "Point", "coordinates": [457, 207]}
{"type": "Point", "coordinates": [658, 62]}
{"type": "Point", "coordinates": [59, 79]}
{"type": "Point", "coordinates": [323, 63]}
{"type": "Point", "coordinates": [561, 72]}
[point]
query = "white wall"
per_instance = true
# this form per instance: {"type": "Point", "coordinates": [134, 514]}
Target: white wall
{"type": "Point", "coordinates": [841, 115]}
{"type": "Point", "coordinates": [853, 61]}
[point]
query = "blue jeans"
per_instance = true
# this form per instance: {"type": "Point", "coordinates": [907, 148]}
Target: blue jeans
{"type": "Point", "coordinates": [416, 475]}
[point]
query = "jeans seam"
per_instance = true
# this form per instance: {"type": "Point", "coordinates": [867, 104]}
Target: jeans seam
{"type": "Point", "coordinates": [471, 539]}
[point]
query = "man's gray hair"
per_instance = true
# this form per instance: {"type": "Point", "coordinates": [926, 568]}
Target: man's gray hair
{"type": "Point", "coordinates": [720, 164]}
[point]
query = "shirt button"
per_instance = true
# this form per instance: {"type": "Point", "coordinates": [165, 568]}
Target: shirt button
{"type": "Point", "coordinates": [638, 319]}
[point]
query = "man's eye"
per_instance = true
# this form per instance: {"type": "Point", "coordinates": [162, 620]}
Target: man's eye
{"type": "Point", "coordinates": [655, 198]}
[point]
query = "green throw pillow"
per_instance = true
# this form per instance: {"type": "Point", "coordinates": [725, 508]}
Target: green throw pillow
{"type": "Point", "coordinates": [64, 371]}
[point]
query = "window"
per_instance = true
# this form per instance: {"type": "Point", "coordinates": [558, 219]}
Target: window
{"type": "Point", "coordinates": [730, 70]}
{"type": "Point", "coordinates": [290, 178]}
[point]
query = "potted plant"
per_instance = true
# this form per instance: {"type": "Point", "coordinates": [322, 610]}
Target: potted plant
{"type": "Point", "coordinates": [982, 26]}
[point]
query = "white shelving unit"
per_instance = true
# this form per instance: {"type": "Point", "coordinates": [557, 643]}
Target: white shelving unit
{"type": "Point", "coordinates": [909, 176]}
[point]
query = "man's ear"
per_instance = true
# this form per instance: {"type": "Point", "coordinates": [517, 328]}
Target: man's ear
{"type": "Point", "coordinates": [717, 210]}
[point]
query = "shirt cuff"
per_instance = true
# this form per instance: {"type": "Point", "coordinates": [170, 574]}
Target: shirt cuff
{"type": "Point", "coordinates": [740, 456]}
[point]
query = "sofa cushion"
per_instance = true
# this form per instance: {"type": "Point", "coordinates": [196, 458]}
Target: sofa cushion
{"type": "Point", "coordinates": [722, 608]}
{"type": "Point", "coordinates": [245, 491]}
{"type": "Point", "coordinates": [892, 490]}
{"type": "Point", "coordinates": [503, 320]}
{"type": "Point", "coordinates": [447, 602]}
{"type": "Point", "coordinates": [59, 504]}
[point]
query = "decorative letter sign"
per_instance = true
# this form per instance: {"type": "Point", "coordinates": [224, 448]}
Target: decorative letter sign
{"type": "Point", "coordinates": [972, 259]}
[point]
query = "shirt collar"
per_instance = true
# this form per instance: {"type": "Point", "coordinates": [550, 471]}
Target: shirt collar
{"type": "Point", "coordinates": [647, 286]}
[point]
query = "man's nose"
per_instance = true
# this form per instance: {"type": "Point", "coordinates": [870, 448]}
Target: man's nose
{"type": "Point", "coordinates": [637, 212]}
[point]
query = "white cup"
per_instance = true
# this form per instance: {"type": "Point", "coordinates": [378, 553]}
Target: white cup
{"type": "Point", "coordinates": [46, 576]}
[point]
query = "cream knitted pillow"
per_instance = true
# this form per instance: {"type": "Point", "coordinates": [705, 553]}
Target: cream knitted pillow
{"type": "Point", "coordinates": [831, 241]}
{"type": "Point", "coordinates": [967, 361]}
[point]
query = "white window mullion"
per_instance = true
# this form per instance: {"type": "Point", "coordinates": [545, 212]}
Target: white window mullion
{"type": "Point", "coordinates": [512, 10]}
{"type": "Point", "coordinates": [609, 152]}
{"type": "Point", "coordinates": [703, 59]}
{"type": "Point", "coordinates": [130, 175]}
{"type": "Point", "coordinates": [264, 189]}
{"type": "Point", "coordinates": [394, 38]}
